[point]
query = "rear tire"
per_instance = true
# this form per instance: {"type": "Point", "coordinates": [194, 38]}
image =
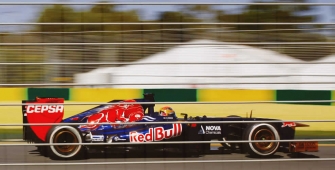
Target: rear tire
{"type": "Point", "coordinates": [64, 134]}
{"type": "Point", "coordinates": [43, 150]}
{"type": "Point", "coordinates": [262, 131]}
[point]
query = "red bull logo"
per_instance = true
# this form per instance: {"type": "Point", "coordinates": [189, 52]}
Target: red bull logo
{"type": "Point", "coordinates": [289, 124]}
{"type": "Point", "coordinates": [156, 134]}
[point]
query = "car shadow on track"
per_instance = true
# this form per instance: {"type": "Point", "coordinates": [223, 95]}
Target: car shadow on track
{"type": "Point", "coordinates": [301, 155]}
{"type": "Point", "coordinates": [298, 154]}
{"type": "Point", "coordinates": [131, 154]}
{"type": "Point", "coordinates": [268, 157]}
{"type": "Point", "coordinates": [100, 154]}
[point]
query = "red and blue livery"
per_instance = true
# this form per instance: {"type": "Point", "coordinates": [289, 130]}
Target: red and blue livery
{"type": "Point", "coordinates": [111, 126]}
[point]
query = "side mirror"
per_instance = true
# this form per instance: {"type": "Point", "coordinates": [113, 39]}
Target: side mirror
{"type": "Point", "coordinates": [185, 115]}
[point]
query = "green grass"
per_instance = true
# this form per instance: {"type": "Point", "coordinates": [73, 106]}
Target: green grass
{"type": "Point", "coordinates": [10, 133]}
{"type": "Point", "coordinates": [315, 134]}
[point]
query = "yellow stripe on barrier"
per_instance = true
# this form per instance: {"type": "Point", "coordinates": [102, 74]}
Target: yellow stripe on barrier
{"type": "Point", "coordinates": [235, 95]}
{"type": "Point", "coordinates": [103, 94]}
{"type": "Point", "coordinates": [13, 114]}
{"type": "Point", "coordinates": [12, 94]}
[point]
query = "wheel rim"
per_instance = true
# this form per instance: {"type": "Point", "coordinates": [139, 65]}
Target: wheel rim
{"type": "Point", "coordinates": [264, 134]}
{"type": "Point", "coordinates": [65, 137]}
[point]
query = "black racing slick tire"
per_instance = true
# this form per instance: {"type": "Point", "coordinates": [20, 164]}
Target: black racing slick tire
{"type": "Point", "coordinates": [64, 134]}
{"type": "Point", "coordinates": [262, 131]}
{"type": "Point", "coordinates": [42, 150]}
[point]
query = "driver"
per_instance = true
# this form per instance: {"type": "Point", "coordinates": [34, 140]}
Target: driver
{"type": "Point", "coordinates": [166, 111]}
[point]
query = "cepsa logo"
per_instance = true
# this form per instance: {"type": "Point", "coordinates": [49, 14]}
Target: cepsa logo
{"type": "Point", "coordinates": [156, 134]}
{"type": "Point", "coordinates": [45, 108]}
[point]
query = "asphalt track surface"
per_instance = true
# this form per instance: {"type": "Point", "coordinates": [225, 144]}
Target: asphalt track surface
{"type": "Point", "coordinates": [27, 154]}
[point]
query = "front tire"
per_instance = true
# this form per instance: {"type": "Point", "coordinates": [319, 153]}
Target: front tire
{"type": "Point", "coordinates": [261, 131]}
{"type": "Point", "coordinates": [64, 134]}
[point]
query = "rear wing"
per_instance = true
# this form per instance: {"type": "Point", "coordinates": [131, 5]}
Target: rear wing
{"type": "Point", "coordinates": [37, 111]}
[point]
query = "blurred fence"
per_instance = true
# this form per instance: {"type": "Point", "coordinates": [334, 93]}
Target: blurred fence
{"type": "Point", "coordinates": [34, 58]}
{"type": "Point", "coordinates": [104, 49]}
{"type": "Point", "coordinates": [26, 44]}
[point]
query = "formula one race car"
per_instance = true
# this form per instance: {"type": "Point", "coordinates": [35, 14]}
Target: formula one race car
{"type": "Point", "coordinates": [104, 124]}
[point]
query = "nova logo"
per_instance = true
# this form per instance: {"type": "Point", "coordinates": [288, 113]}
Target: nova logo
{"type": "Point", "coordinates": [213, 128]}
{"type": "Point", "coordinates": [210, 130]}
{"type": "Point", "coordinates": [45, 108]}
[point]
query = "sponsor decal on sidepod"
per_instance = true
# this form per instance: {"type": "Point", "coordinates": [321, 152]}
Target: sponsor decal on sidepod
{"type": "Point", "coordinates": [97, 137]}
{"type": "Point", "coordinates": [210, 130]}
{"type": "Point", "coordinates": [45, 108]}
{"type": "Point", "coordinates": [156, 134]}
{"type": "Point", "coordinates": [289, 124]}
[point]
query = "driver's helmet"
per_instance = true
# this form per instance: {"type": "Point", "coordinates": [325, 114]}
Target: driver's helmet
{"type": "Point", "coordinates": [166, 111]}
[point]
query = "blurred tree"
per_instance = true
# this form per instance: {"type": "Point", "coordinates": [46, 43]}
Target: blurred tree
{"type": "Point", "coordinates": [180, 31]}
{"type": "Point", "coordinates": [269, 14]}
{"type": "Point", "coordinates": [275, 32]}
{"type": "Point", "coordinates": [104, 9]}
{"type": "Point", "coordinates": [22, 73]}
{"type": "Point", "coordinates": [98, 14]}
{"type": "Point", "coordinates": [203, 12]}
{"type": "Point", "coordinates": [57, 14]}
